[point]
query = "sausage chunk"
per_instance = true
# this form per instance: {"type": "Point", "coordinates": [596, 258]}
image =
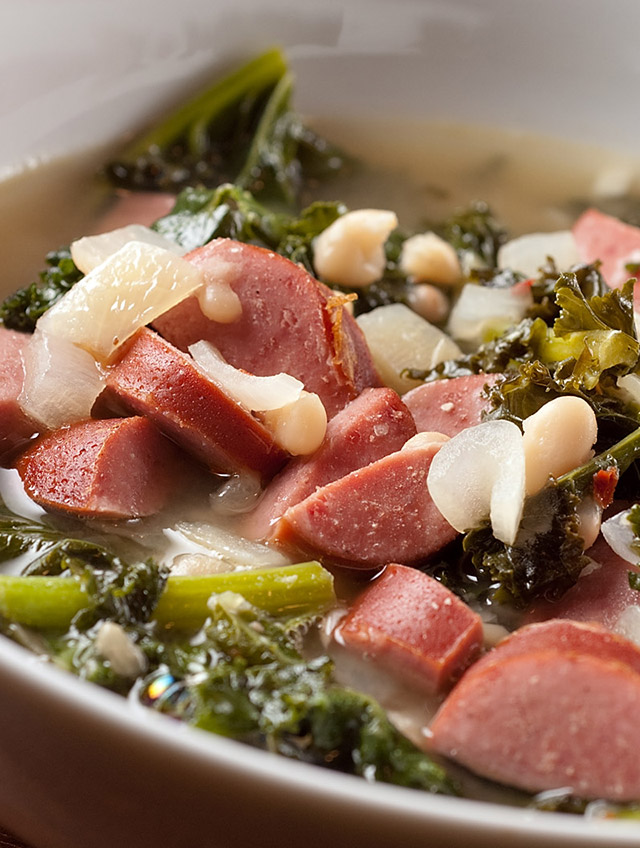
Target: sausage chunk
{"type": "Point", "coordinates": [377, 423]}
{"type": "Point", "coordinates": [155, 379]}
{"type": "Point", "coordinates": [290, 323]}
{"type": "Point", "coordinates": [111, 468]}
{"type": "Point", "coordinates": [546, 710]}
{"type": "Point", "coordinates": [378, 514]}
{"type": "Point", "coordinates": [413, 626]}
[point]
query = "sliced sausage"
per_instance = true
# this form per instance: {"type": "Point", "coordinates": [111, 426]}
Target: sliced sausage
{"type": "Point", "coordinates": [601, 594]}
{"type": "Point", "coordinates": [609, 240]}
{"type": "Point", "coordinates": [155, 379]}
{"type": "Point", "coordinates": [563, 635]}
{"type": "Point", "coordinates": [374, 425]}
{"type": "Point", "coordinates": [547, 719]}
{"type": "Point", "coordinates": [449, 406]}
{"type": "Point", "coordinates": [413, 626]}
{"type": "Point", "coordinates": [378, 514]}
{"type": "Point", "coordinates": [135, 207]}
{"type": "Point", "coordinates": [16, 427]}
{"type": "Point", "coordinates": [290, 323]}
{"type": "Point", "coordinates": [111, 468]}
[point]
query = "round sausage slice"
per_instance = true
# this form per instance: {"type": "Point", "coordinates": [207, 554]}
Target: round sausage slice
{"type": "Point", "coordinates": [290, 323]}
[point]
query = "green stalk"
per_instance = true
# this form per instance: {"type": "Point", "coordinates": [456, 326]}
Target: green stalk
{"type": "Point", "coordinates": [197, 114]}
{"type": "Point", "coordinates": [278, 104]}
{"type": "Point", "coordinates": [620, 455]}
{"type": "Point", "coordinates": [289, 590]}
{"type": "Point", "coordinates": [51, 602]}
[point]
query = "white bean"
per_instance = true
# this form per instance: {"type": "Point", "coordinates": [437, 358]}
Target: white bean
{"type": "Point", "coordinates": [429, 302]}
{"type": "Point", "coordinates": [350, 251]}
{"type": "Point", "coordinates": [557, 439]}
{"type": "Point", "coordinates": [426, 257]}
{"type": "Point", "coordinates": [298, 427]}
{"type": "Point", "coordinates": [424, 440]}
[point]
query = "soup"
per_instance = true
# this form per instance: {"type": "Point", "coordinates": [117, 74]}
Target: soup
{"type": "Point", "coordinates": [561, 337]}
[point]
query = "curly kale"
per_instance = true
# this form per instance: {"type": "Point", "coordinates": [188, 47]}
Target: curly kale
{"type": "Point", "coordinates": [475, 233]}
{"type": "Point", "coordinates": [21, 310]}
{"type": "Point", "coordinates": [243, 677]}
{"type": "Point", "coordinates": [229, 211]}
{"type": "Point", "coordinates": [241, 129]}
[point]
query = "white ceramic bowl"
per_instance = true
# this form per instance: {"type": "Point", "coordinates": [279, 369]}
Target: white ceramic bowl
{"type": "Point", "coordinates": [77, 766]}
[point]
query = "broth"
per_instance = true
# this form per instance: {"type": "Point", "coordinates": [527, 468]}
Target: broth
{"type": "Point", "coordinates": [423, 171]}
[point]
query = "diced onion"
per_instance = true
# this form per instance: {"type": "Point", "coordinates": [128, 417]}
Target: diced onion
{"type": "Point", "coordinates": [398, 339]}
{"type": "Point", "coordinates": [480, 474]}
{"type": "Point", "coordinates": [61, 381]}
{"type": "Point", "coordinates": [620, 537]}
{"type": "Point", "coordinates": [256, 394]}
{"type": "Point", "coordinates": [90, 251]}
{"type": "Point", "coordinates": [629, 385]}
{"type": "Point", "coordinates": [528, 253]}
{"type": "Point", "coordinates": [220, 546]}
{"type": "Point", "coordinates": [126, 292]}
{"type": "Point", "coordinates": [482, 312]}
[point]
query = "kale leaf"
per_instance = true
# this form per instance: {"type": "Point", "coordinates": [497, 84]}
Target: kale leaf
{"type": "Point", "coordinates": [229, 211]}
{"type": "Point", "coordinates": [21, 310]}
{"type": "Point", "coordinates": [243, 677]}
{"type": "Point", "coordinates": [474, 233]}
{"type": "Point", "coordinates": [241, 129]}
{"type": "Point", "coordinates": [546, 558]}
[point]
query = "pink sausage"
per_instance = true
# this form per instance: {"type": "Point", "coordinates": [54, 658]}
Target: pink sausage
{"type": "Point", "coordinates": [565, 636]}
{"type": "Point", "coordinates": [155, 379]}
{"type": "Point", "coordinates": [601, 594]}
{"type": "Point", "coordinates": [370, 427]}
{"type": "Point", "coordinates": [547, 719]}
{"type": "Point", "coordinates": [113, 468]}
{"type": "Point", "coordinates": [413, 626]}
{"type": "Point", "coordinates": [609, 240]}
{"type": "Point", "coordinates": [378, 514]}
{"type": "Point", "coordinates": [136, 207]}
{"type": "Point", "coordinates": [290, 322]}
{"type": "Point", "coordinates": [449, 406]}
{"type": "Point", "coordinates": [16, 428]}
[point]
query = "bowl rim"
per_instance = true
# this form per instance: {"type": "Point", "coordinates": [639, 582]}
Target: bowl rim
{"type": "Point", "coordinates": [115, 713]}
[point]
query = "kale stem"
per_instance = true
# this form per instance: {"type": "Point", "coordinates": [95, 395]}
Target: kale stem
{"type": "Point", "coordinates": [52, 602]}
{"type": "Point", "coordinates": [289, 590]}
{"type": "Point", "coordinates": [620, 455]}
{"type": "Point", "coordinates": [277, 105]}
{"type": "Point", "coordinates": [195, 117]}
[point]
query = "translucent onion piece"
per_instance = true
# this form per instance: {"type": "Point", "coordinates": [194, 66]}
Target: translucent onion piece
{"type": "Point", "coordinates": [590, 517]}
{"type": "Point", "coordinates": [254, 393]}
{"type": "Point", "coordinates": [239, 494]}
{"type": "Point", "coordinates": [90, 251]}
{"type": "Point", "coordinates": [629, 385]}
{"type": "Point", "coordinates": [528, 253]}
{"type": "Point", "coordinates": [61, 381]}
{"type": "Point", "coordinates": [480, 474]}
{"type": "Point", "coordinates": [398, 338]}
{"type": "Point", "coordinates": [126, 292]}
{"type": "Point", "coordinates": [481, 312]}
{"type": "Point", "coordinates": [221, 546]}
{"type": "Point", "coordinates": [620, 537]}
